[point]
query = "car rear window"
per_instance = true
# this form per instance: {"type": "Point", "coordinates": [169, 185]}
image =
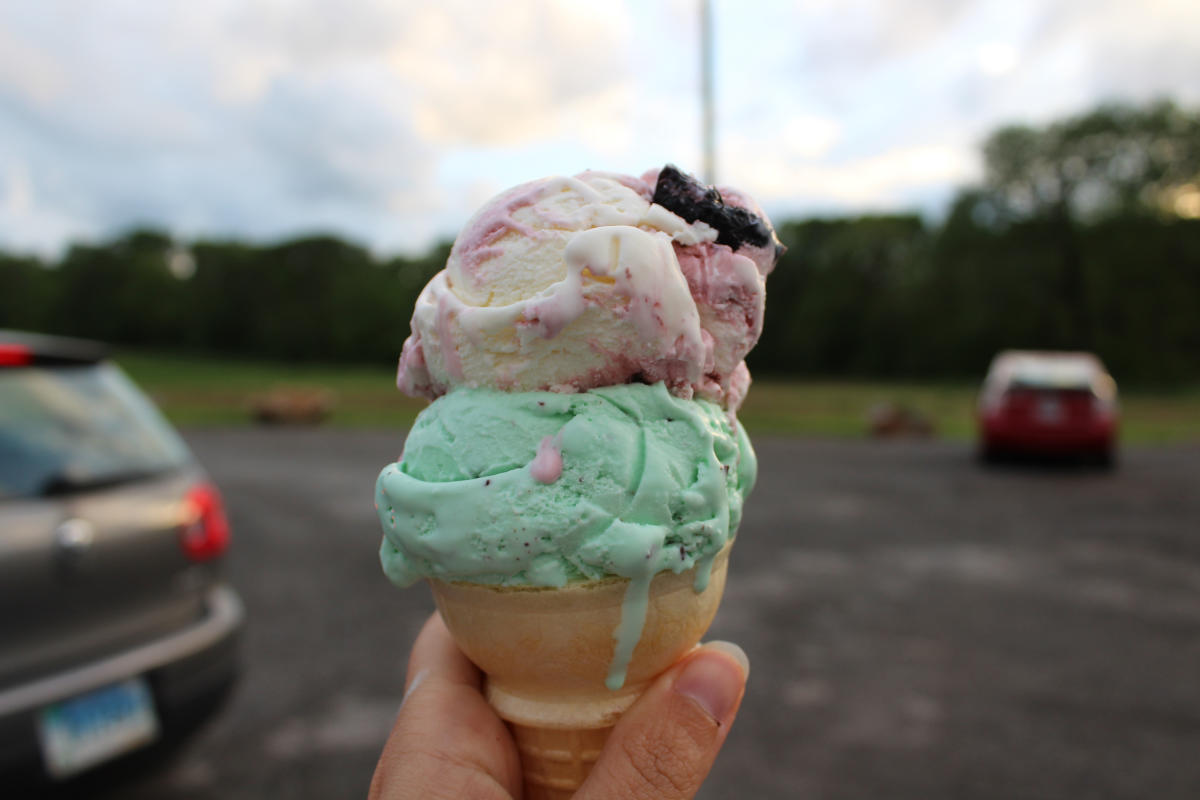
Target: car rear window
{"type": "Point", "coordinates": [1062, 391]}
{"type": "Point", "coordinates": [69, 428]}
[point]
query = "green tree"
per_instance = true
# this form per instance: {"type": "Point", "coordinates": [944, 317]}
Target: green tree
{"type": "Point", "coordinates": [837, 304]}
{"type": "Point", "coordinates": [122, 291]}
{"type": "Point", "coordinates": [27, 291]}
{"type": "Point", "coordinates": [1117, 160]}
{"type": "Point", "coordinates": [1018, 251]}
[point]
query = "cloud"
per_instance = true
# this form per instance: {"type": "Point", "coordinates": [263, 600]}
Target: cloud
{"type": "Point", "coordinates": [267, 118]}
{"type": "Point", "coordinates": [1122, 50]}
{"type": "Point", "coordinates": [897, 178]}
{"type": "Point", "coordinates": [389, 121]}
{"type": "Point", "coordinates": [197, 125]}
{"type": "Point", "coordinates": [997, 58]}
{"type": "Point", "coordinates": [29, 72]}
{"type": "Point", "coordinates": [512, 73]}
{"type": "Point", "coordinates": [844, 42]}
{"type": "Point", "coordinates": [16, 195]}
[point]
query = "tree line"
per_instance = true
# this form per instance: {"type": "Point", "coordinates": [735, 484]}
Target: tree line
{"type": "Point", "coordinates": [1083, 234]}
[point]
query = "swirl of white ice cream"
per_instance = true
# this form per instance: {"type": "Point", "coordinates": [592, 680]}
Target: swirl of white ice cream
{"type": "Point", "coordinates": [563, 284]}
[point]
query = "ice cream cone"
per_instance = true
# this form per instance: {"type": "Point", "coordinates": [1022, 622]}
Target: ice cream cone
{"type": "Point", "coordinates": [554, 762]}
{"type": "Point", "coordinates": [548, 654]}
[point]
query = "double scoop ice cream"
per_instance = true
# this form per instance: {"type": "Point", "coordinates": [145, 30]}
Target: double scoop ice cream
{"type": "Point", "coordinates": [584, 351]}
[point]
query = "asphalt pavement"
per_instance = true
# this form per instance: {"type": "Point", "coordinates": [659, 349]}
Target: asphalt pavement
{"type": "Point", "coordinates": [919, 626]}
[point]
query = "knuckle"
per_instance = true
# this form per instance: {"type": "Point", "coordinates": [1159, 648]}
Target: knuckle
{"type": "Point", "coordinates": [416, 764]}
{"type": "Point", "coordinates": [665, 766]}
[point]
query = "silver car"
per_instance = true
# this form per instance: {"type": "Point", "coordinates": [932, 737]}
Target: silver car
{"type": "Point", "coordinates": [115, 622]}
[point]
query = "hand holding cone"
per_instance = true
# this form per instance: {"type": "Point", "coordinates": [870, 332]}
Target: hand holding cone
{"type": "Point", "coordinates": [447, 744]}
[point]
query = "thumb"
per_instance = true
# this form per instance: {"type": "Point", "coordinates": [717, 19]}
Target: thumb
{"type": "Point", "coordinates": [665, 744]}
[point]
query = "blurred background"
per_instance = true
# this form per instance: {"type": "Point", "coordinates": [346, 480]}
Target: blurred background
{"type": "Point", "coordinates": [245, 199]}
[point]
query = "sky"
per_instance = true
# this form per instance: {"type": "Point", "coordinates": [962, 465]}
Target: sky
{"type": "Point", "coordinates": [388, 123]}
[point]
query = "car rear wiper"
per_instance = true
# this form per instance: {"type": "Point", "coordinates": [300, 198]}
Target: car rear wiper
{"type": "Point", "coordinates": [64, 483]}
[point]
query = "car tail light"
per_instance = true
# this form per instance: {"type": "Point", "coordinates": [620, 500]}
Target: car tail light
{"type": "Point", "coordinates": [1103, 408]}
{"type": "Point", "coordinates": [15, 355]}
{"type": "Point", "coordinates": [205, 532]}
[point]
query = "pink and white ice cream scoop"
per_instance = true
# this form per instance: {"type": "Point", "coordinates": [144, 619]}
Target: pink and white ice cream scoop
{"type": "Point", "coordinates": [567, 284]}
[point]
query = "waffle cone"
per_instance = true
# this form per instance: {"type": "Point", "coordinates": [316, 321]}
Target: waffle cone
{"type": "Point", "coordinates": [547, 653]}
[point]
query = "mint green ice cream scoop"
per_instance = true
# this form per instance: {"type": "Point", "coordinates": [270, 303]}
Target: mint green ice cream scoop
{"type": "Point", "coordinates": [542, 488]}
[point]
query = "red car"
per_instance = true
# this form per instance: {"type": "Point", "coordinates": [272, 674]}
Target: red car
{"type": "Point", "coordinates": [1048, 404]}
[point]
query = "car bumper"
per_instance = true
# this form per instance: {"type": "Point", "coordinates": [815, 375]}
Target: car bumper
{"type": "Point", "coordinates": [1090, 440]}
{"type": "Point", "coordinates": [186, 665]}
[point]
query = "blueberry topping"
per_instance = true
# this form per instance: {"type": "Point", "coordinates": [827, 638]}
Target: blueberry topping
{"type": "Point", "coordinates": [692, 200]}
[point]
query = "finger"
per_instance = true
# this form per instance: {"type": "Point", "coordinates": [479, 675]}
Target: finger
{"type": "Point", "coordinates": [435, 652]}
{"type": "Point", "coordinates": [447, 742]}
{"type": "Point", "coordinates": [665, 744]}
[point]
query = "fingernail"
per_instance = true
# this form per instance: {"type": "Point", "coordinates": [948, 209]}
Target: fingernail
{"type": "Point", "coordinates": [733, 651]}
{"type": "Point", "coordinates": [713, 678]}
{"type": "Point", "coordinates": [417, 680]}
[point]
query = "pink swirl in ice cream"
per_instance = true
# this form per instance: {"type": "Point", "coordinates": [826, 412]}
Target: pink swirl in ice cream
{"type": "Point", "coordinates": [726, 281]}
{"type": "Point", "coordinates": [568, 284]}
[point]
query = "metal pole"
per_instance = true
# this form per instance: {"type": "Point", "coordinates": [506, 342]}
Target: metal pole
{"type": "Point", "coordinates": [706, 92]}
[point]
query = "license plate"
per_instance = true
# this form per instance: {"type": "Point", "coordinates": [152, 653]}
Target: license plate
{"type": "Point", "coordinates": [84, 731]}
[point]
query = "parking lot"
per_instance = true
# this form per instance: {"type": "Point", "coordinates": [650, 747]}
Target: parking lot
{"type": "Point", "coordinates": [919, 626]}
